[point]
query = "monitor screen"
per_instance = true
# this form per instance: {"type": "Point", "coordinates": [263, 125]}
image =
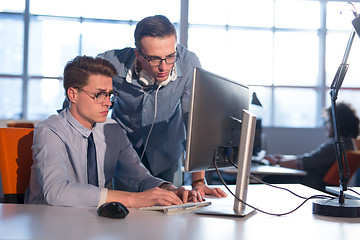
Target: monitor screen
{"type": "Point", "coordinates": [257, 140]}
{"type": "Point", "coordinates": [221, 131]}
{"type": "Point", "coordinates": [214, 124]}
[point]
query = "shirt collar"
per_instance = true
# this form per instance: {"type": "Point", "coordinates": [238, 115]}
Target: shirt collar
{"type": "Point", "coordinates": [77, 125]}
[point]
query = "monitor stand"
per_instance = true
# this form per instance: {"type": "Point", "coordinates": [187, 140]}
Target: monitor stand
{"type": "Point", "coordinates": [242, 179]}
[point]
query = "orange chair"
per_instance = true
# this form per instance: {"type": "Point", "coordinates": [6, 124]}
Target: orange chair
{"type": "Point", "coordinates": [332, 176]}
{"type": "Point", "coordinates": [20, 124]}
{"type": "Point", "coordinates": [15, 162]}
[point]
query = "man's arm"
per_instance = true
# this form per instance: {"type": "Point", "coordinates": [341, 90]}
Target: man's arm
{"type": "Point", "coordinates": [282, 161]}
{"type": "Point", "coordinates": [150, 190]}
{"type": "Point", "coordinates": [199, 184]}
{"type": "Point", "coordinates": [146, 198]}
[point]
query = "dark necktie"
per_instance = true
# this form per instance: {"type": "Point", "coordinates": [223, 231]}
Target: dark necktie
{"type": "Point", "coordinates": [91, 162]}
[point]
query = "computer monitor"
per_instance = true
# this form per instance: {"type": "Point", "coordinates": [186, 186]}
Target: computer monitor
{"type": "Point", "coordinates": [220, 127]}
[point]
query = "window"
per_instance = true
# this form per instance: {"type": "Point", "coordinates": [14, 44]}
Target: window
{"type": "Point", "coordinates": [279, 48]}
{"type": "Point", "coordinates": [287, 51]}
{"type": "Point", "coordinates": [31, 69]}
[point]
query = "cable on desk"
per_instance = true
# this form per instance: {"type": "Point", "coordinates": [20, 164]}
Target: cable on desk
{"type": "Point", "coordinates": [268, 184]}
{"type": "Point", "coordinates": [262, 211]}
{"type": "Point", "coordinates": [281, 188]}
{"type": "Point", "coordinates": [353, 191]}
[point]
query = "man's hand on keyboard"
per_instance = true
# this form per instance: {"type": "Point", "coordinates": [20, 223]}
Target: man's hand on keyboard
{"type": "Point", "coordinates": [166, 195]}
{"type": "Point", "coordinates": [183, 194]}
{"type": "Point", "coordinates": [188, 195]}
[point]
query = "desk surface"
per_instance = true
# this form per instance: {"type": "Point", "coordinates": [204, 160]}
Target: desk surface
{"type": "Point", "coordinates": [48, 222]}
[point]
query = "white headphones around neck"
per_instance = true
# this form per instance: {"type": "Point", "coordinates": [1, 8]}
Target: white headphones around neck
{"type": "Point", "coordinates": [145, 79]}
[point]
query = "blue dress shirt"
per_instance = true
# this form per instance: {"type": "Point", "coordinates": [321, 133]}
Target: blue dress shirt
{"type": "Point", "coordinates": [135, 106]}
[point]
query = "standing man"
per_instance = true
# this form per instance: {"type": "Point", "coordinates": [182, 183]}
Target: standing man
{"type": "Point", "coordinates": [77, 152]}
{"type": "Point", "coordinates": [154, 83]}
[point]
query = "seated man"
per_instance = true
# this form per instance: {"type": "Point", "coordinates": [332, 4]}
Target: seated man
{"type": "Point", "coordinates": [317, 162]}
{"type": "Point", "coordinates": [68, 170]}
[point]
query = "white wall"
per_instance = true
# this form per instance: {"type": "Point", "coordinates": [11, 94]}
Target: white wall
{"type": "Point", "coordinates": [292, 140]}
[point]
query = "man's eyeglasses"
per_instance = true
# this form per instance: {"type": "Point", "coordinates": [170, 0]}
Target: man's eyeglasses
{"type": "Point", "coordinates": [100, 97]}
{"type": "Point", "coordinates": [156, 61]}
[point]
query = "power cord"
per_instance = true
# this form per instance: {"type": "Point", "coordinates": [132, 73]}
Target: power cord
{"type": "Point", "coordinates": [268, 184]}
{"type": "Point", "coordinates": [352, 190]}
{"type": "Point", "coordinates": [262, 211]}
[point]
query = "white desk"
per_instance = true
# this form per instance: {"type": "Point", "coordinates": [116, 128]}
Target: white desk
{"type": "Point", "coordinates": [47, 222]}
{"type": "Point", "coordinates": [348, 193]}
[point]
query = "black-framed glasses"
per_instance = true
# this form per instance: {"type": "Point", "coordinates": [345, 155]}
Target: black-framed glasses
{"type": "Point", "coordinates": [156, 61]}
{"type": "Point", "coordinates": [100, 97]}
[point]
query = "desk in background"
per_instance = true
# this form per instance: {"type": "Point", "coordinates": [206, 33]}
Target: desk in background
{"type": "Point", "coordinates": [266, 169]}
{"type": "Point", "coordinates": [275, 170]}
{"type": "Point", "coordinates": [260, 171]}
{"type": "Point", "coordinates": [48, 222]}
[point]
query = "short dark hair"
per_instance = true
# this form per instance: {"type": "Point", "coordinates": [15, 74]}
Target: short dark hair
{"type": "Point", "coordinates": [78, 70]}
{"type": "Point", "coordinates": [157, 26]}
{"type": "Point", "coordinates": [347, 120]}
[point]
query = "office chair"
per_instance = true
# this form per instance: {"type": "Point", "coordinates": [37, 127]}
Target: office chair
{"type": "Point", "coordinates": [332, 176]}
{"type": "Point", "coordinates": [20, 124]}
{"type": "Point", "coordinates": [15, 162]}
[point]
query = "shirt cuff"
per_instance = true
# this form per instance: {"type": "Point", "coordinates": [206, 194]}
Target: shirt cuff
{"type": "Point", "coordinates": [103, 196]}
{"type": "Point", "coordinates": [168, 183]}
{"type": "Point", "coordinates": [300, 163]}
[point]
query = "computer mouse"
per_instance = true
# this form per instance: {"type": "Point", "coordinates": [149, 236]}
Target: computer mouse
{"type": "Point", "coordinates": [113, 210]}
